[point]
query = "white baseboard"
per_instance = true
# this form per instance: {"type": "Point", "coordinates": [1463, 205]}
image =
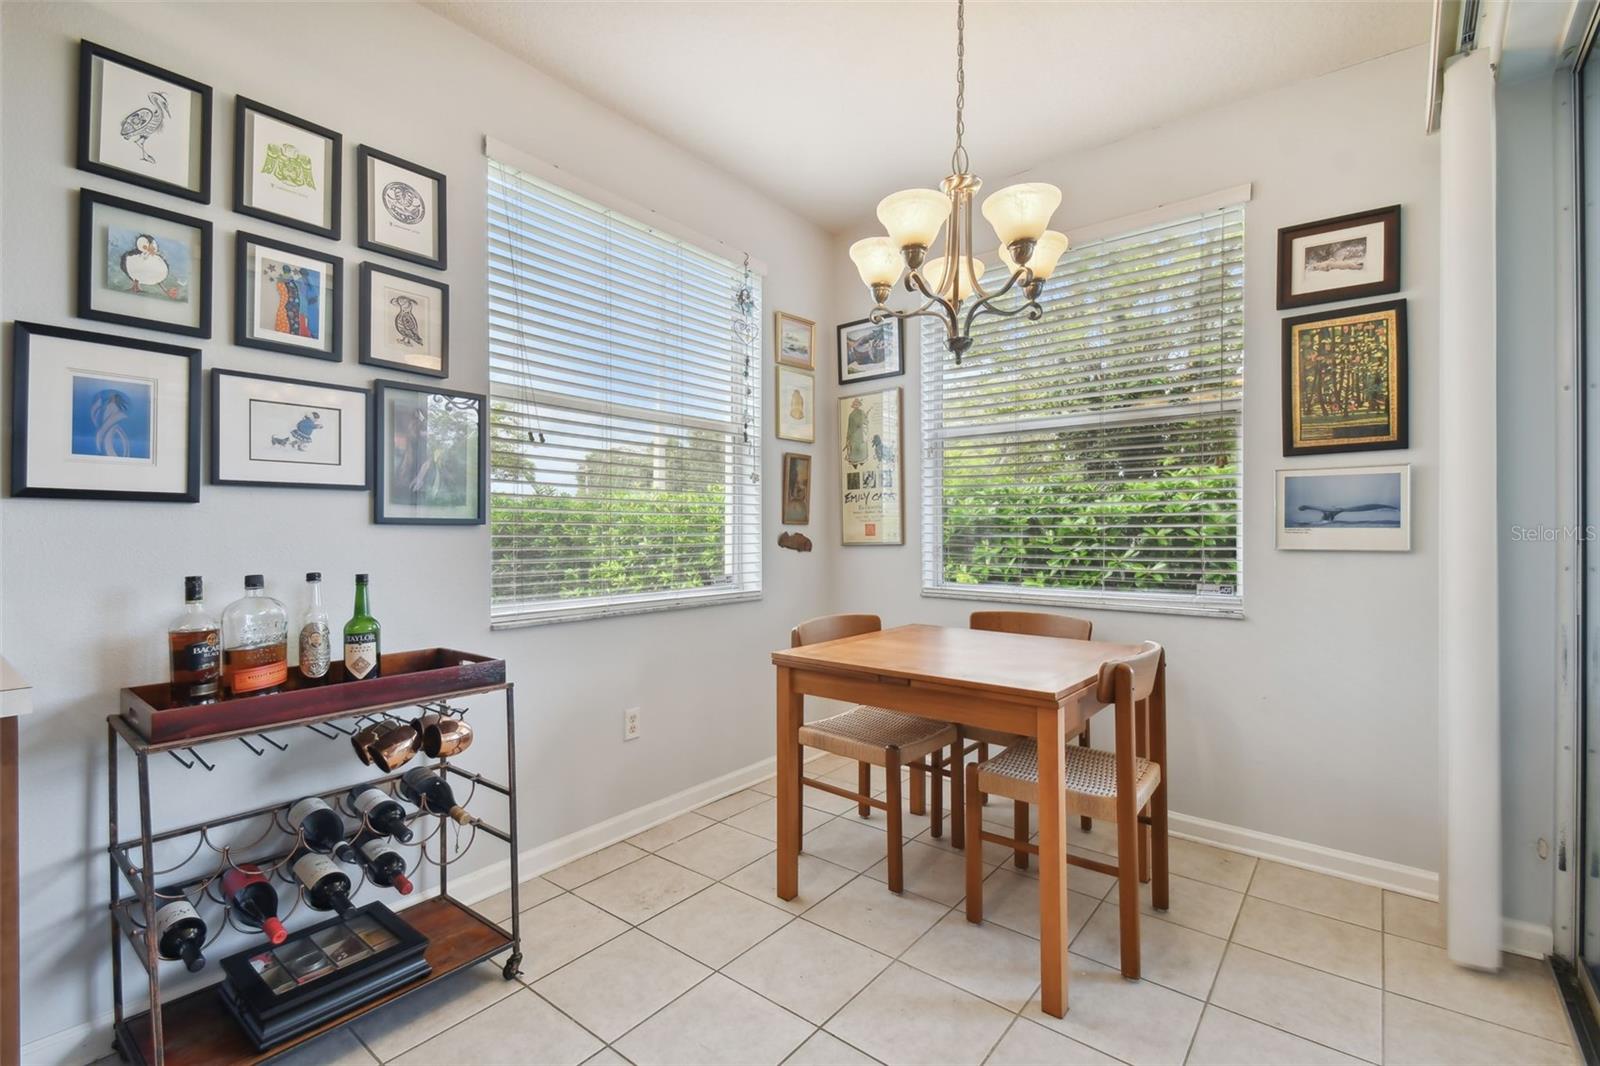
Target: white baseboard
{"type": "Point", "coordinates": [1369, 871]}
{"type": "Point", "coordinates": [1526, 938]}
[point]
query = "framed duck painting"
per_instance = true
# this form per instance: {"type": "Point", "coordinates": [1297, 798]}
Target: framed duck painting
{"type": "Point", "coordinates": [143, 266]}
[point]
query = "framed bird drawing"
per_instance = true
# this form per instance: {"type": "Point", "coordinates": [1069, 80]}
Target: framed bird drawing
{"type": "Point", "coordinates": [143, 266]}
{"type": "Point", "coordinates": [142, 124]}
{"type": "Point", "coordinates": [405, 322]}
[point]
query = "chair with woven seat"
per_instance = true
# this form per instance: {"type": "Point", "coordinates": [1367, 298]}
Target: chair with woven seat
{"type": "Point", "coordinates": [877, 736]}
{"type": "Point", "coordinates": [1100, 784]}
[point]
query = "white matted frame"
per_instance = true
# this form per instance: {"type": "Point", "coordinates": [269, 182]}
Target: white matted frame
{"type": "Point", "coordinates": [1344, 508]}
{"type": "Point", "coordinates": [286, 433]}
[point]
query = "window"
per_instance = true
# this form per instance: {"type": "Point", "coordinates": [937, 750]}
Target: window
{"type": "Point", "coordinates": [1093, 457]}
{"type": "Point", "coordinates": [624, 414]}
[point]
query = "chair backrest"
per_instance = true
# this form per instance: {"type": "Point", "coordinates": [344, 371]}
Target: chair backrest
{"type": "Point", "coordinates": [1035, 623]}
{"type": "Point", "coordinates": [1137, 671]}
{"type": "Point", "coordinates": [833, 627]}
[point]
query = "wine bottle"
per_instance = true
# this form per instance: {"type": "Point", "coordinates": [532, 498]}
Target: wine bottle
{"type": "Point", "coordinates": [382, 811]}
{"type": "Point", "coordinates": [181, 933]}
{"type": "Point", "coordinates": [327, 886]}
{"type": "Point", "coordinates": [254, 901]}
{"type": "Point", "coordinates": [255, 642]}
{"type": "Point", "coordinates": [385, 866]}
{"type": "Point", "coordinates": [427, 789]}
{"type": "Point", "coordinates": [362, 651]}
{"type": "Point", "coordinates": [194, 643]}
{"type": "Point", "coordinates": [318, 824]}
{"type": "Point", "coordinates": [315, 638]}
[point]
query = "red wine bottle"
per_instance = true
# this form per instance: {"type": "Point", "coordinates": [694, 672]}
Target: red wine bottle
{"type": "Point", "coordinates": [181, 932]}
{"type": "Point", "coordinates": [318, 824]}
{"type": "Point", "coordinates": [427, 789]}
{"type": "Point", "coordinates": [327, 886]}
{"type": "Point", "coordinates": [254, 901]}
{"type": "Point", "coordinates": [385, 866]}
{"type": "Point", "coordinates": [382, 811]}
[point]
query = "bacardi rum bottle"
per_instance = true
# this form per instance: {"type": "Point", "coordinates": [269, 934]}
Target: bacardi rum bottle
{"type": "Point", "coordinates": [195, 642]}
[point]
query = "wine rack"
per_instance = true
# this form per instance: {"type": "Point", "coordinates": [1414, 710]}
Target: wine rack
{"type": "Point", "coordinates": [196, 1027]}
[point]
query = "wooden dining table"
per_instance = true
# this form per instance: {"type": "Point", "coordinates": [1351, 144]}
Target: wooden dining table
{"type": "Point", "coordinates": [1033, 686]}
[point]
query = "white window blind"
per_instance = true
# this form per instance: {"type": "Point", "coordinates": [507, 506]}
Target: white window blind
{"type": "Point", "coordinates": [1093, 457]}
{"type": "Point", "coordinates": [625, 413]}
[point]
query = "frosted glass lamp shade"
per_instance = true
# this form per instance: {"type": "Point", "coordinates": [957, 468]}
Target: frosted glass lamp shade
{"type": "Point", "coordinates": [934, 271]}
{"type": "Point", "coordinates": [1051, 246]}
{"type": "Point", "coordinates": [878, 261]}
{"type": "Point", "coordinates": [914, 216]}
{"type": "Point", "coordinates": [1021, 212]}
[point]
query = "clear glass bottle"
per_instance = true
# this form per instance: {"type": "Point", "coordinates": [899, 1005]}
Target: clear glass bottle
{"type": "Point", "coordinates": [315, 636]}
{"type": "Point", "coordinates": [255, 642]}
{"type": "Point", "coordinates": [362, 651]}
{"type": "Point", "coordinates": [194, 641]}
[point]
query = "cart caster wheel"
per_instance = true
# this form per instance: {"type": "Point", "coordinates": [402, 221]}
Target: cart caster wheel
{"type": "Point", "coordinates": [513, 968]}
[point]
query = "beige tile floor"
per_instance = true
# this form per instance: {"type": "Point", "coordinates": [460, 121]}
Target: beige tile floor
{"type": "Point", "coordinates": [672, 948]}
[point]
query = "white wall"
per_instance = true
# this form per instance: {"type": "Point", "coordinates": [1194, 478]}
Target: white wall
{"type": "Point", "coordinates": [90, 585]}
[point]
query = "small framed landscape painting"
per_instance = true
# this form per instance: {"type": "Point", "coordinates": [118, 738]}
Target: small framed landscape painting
{"type": "Point", "coordinates": [400, 208]}
{"type": "Point", "coordinates": [287, 299]}
{"type": "Point", "coordinates": [1353, 508]}
{"type": "Point", "coordinates": [1344, 380]}
{"type": "Point", "coordinates": [142, 124]}
{"type": "Point", "coordinates": [1344, 258]}
{"type": "Point", "coordinates": [869, 349]}
{"type": "Point", "coordinates": [795, 339]}
{"type": "Point", "coordinates": [432, 456]}
{"type": "Point", "coordinates": [405, 322]}
{"type": "Point", "coordinates": [283, 432]}
{"type": "Point", "coordinates": [796, 488]}
{"type": "Point", "coordinates": [796, 402]}
{"type": "Point", "coordinates": [103, 418]}
{"type": "Point", "coordinates": [871, 504]}
{"type": "Point", "coordinates": [143, 266]}
{"type": "Point", "coordinates": [285, 169]}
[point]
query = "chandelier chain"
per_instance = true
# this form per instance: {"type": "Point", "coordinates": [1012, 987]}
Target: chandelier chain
{"type": "Point", "coordinates": [958, 158]}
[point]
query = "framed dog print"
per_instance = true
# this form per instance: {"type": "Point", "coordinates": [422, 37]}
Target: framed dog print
{"type": "Point", "coordinates": [143, 266]}
{"type": "Point", "coordinates": [432, 454]}
{"type": "Point", "coordinates": [405, 322]}
{"type": "Point", "coordinates": [869, 349]}
{"type": "Point", "coordinates": [281, 432]}
{"type": "Point", "coordinates": [871, 496]}
{"type": "Point", "coordinates": [285, 169]}
{"type": "Point", "coordinates": [1352, 508]}
{"type": "Point", "coordinates": [1344, 258]}
{"type": "Point", "coordinates": [96, 417]}
{"type": "Point", "coordinates": [796, 338]}
{"type": "Point", "coordinates": [795, 397]}
{"type": "Point", "coordinates": [400, 208]}
{"type": "Point", "coordinates": [796, 489]}
{"type": "Point", "coordinates": [142, 124]}
{"type": "Point", "coordinates": [287, 299]}
{"type": "Point", "coordinates": [1344, 380]}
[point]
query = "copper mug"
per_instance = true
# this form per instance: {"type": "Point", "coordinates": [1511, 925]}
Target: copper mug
{"type": "Point", "coordinates": [445, 737]}
{"type": "Point", "coordinates": [363, 740]}
{"type": "Point", "coordinates": [396, 747]}
{"type": "Point", "coordinates": [422, 722]}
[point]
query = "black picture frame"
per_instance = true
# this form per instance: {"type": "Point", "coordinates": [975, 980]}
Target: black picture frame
{"type": "Point", "coordinates": [364, 208]}
{"type": "Point", "coordinates": [242, 166]}
{"type": "Point", "coordinates": [213, 441]}
{"type": "Point", "coordinates": [1398, 434]}
{"type": "Point", "coordinates": [382, 435]}
{"type": "Point", "coordinates": [1388, 217]}
{"type": "Point", "coordinates": [88, 200]}
{"type": "Point", "coordinates": [367, 272]}
{"type": "Point", "coordinates": [334, 314]}
{"type": "Point", "coordinates": [839, 351]}
{"type": "Point", "coordinates": [88, 52]}
{"type": "Point", "coordinates": [22, 334]}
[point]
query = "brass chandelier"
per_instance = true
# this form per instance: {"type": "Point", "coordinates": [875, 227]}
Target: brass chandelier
{"type": "Point", "coordinates": [1020, 215]}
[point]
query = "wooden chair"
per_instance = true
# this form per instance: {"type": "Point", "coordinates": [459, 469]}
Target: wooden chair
{"type": "Point", "coordinates": [1116, 785]}
{"type": "Point", "coordinates": [876, 736]}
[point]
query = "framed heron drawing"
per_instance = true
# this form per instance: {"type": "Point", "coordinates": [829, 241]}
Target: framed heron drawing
{"type": "Point", "coordinates": [142, 124]}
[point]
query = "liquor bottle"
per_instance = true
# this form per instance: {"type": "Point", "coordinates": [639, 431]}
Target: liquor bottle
{"type": "Point", "coordinates": [385, 866]}
{"type": "Point", "coordinates": [428, 790]}
{"type": "Point", "coordinates": [315, 637]}
{"type": "Point", "coordinates": [382, 811]}
{"type": "Point", "coordinates": [181, 933]}
{"type": "Point", "coordinates": [362, 651]}
{"type": "Point", "coordinates": [319, 826]}
{"type": "Point", "coordinates": [254, 901]}
{"type": "Point", "coordinates": [255, 637]}
{"type": "Point", "coordinates": [327, 886]}
{"type": "Point", "coordinates": [194, 640]}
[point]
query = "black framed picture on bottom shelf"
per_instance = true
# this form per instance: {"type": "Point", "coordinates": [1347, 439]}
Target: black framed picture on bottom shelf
{"type": "Point", "coordinates": [97, 417]}
{"type": "Point", "coordinates": [432, 453]}
{"type": "Point", "coordinates": [287, 299]}
{"type": "Point", "coordinates": [143, 266]}
{"type": "Point", "coordinates": [405, 322]}
{"type": "Point", "coordinates": [286, 433]}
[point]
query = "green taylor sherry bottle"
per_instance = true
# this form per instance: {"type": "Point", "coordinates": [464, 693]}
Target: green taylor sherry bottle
{"type": "Point", "coordinates": [361, 645]}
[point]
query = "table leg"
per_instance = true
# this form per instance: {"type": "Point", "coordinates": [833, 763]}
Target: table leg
{"type": "Point", "coordinates": [1053, 963]}
{"type": "Point", "coordinates": [790, 714]}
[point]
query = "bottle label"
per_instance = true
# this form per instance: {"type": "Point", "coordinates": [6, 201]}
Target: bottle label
{"type": "Point", "coordinates": [254, 678]}
{"type": "Point", "coordinates": [201, 657]}
{"type": "Point", "coordinates": [311, 868]}
{"type": "Point", "coordinates": [314, 642]}
{"type": "Point", "coordinates": [172, 913]}
{"type": "Point", "coordinates": [374, 848]}
{"type": "Point", "coordinates": [369, 799]}
{"type": "Point", "coordinates": [360, 654]}
{"type": "Point", "coordinates": [305, 809]}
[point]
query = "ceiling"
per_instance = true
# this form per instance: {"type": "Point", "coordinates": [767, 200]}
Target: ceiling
{"type": "Point", "coordinates": [827, 106]}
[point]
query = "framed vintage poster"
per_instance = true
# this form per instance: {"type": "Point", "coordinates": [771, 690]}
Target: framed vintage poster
{"type": "Point", "coordinates": [141, 124]}
{"type": "Point", "coordinates": [285, 169]}
{"type": "Point", "coordinates": [97, 417]}
{"type": "Point", "coordinates": [869, 349]}
{"type": "Point", "coordinates": [871, 509]}
{"type": "Point", "coordinates": [405, 322]}
{"type": "Point", "coordinates": [400, 208]}
{"type": "Point", "coordinates": [1344, 258]}
{"type": "Point", "coordinates": [282, 432]}
{"type": "Point", "coordinates": [143, 266]}
{"type": "Point", "coordinates": [1353, 508]}
{"type": "Point", "coordinates": [1344, 380]}
{"type": "Point", "coordinates": [796, 489]}
{"type": "Point", "coordinates": [287, 299]}
{"type": "Point", "coordinates": [795, 398]}
{"type": "Point", "coordinates": [432, 455]}
{"type": "Point", "coordinates": [795, 340]}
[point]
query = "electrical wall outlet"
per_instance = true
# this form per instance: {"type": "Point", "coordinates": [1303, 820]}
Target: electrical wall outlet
{"type": "Point", "coordinates": [630, 723]}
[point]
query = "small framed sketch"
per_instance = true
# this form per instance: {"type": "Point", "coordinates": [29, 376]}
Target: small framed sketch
{"type": "Point", "coordinates": [432, 455]}
{"type": "Point", "coordinates": [405, 322]}
{"type": "Point", "coordinates": [287, 299]}
{"type": "Point", "coordinates": [1344, 380]}
{"type": "Point", "coordinates": [96, 417]}
{"type": "Point", "coordinates": [872, 507]}
{"type": "Point", "coordinates": [796, 488]}
{"type": "Point", "coordinates": [285, 169]}
{"type": "Point", "coordinates": [287, 433]}
{"type": "Point", "coordinates": [869, 349]}
{"type": "Point", "coordinates": [1344, 258]}
{"type": "Point", "coordinates": [400, 208]}
{"type": "Point", "coordinates": [1352, 508]}
{"type": "Point", "coordinates": [143, 266]}
{"type": "Point", "coordinates": [142, 124]}
{"type": "Point", "coordinates": [796, 338]}
{"type": "Point", "coordinates": [796, 401]}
